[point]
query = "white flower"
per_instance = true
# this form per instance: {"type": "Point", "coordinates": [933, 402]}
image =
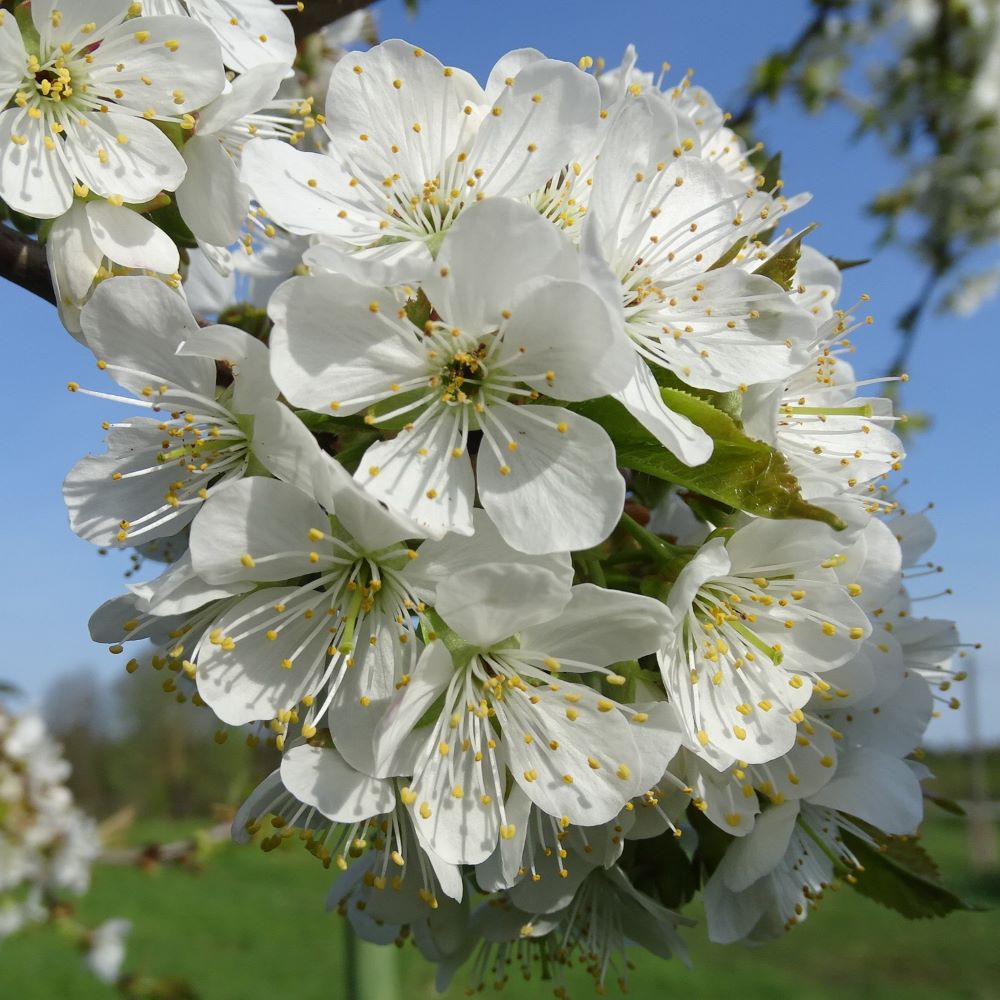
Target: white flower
{"type": "Point", "coordinates": [96, 239]}
{"type": "Point", "coordinates": [594, 927]}
{"type": "Point", "coordinates": [769, 880]}
{"type": "Point", "coordinates": [759, 618]}
{"type": "Point", "coordinates": [47, 846]}
{"type": "Point", "coordinates": [412, 143]}
{"type": "Point", "coordinates": [835, 440]}
{"type": "Point", "coordinates": [213, 201]}
{"type": "Point", "coordinates": [339, 641]}
{"type": "Point", "coordinates": [663, 221]}
{"type": "Point", "coordinates": [513, 320]}
{"type": "Point", "coordinates": [497, 708]}
{"type": "Point", "coordinates": [346, 815]}
{"type": "Point", "coordinates": [251, 32]}
{"type": "Point", "coordinates": [159, 469]}
{"type": "Point", "coordinates": [106, 949]}
{"type": "Point", "coordinates": [84, 106]}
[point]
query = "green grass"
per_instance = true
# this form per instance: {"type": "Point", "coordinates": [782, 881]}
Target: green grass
{"type": "Point", "coordinates": [252, 926]}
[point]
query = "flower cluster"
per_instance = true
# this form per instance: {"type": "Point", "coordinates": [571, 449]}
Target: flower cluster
{"type": "Point", "coordinates": [47, 845]}
{"type": "Point", "coordinates": [539, 521]}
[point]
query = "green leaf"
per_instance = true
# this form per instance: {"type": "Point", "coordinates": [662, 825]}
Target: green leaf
{"type": "Point", "coordinates": [846, 265]}
{"type": "Point", "coordinates": [780, 267]}
{"type": "Point", "coordinates": [730, 255]}
{"type": "Point", "coordinates": [948, 805]}
{"type": "Point", "coordinates": [661, 867]}
{"type": "Point", "coordinates": [29, 33]}
{"type": "Point", "coordinates": [729, 402]}
{"type": "Point", "coordinates": [169, 219]}
{"type": "Point", "coordinates": [712, 844]}
{"type": "Point", "coordinates": [742, 473]}
{"type": "Point", "coordinates": [418, 310]}
{"type": "Point", "coordinates": [902, 877]}
{"type": "Point", "coordinates": [771, 172]}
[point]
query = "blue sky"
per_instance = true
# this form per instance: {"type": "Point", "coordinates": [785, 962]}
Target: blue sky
{"type": "Point", "coordinates": [53, 581]}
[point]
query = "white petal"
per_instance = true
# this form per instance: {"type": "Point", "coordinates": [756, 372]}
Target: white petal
{"type": "Point", "coordinates": [212, 199]}
{"type": "Point", "coordinates": [876, 788]}
{"type": "Point", "coordinates": [563, 490]}
{"type": "Point", "coordinates": [417, 475]}
{"type": "Point", "coordinates": [285, 446]}
{"type": "Point", "coordinates": [368, 354]}
{"type": "Point", "coordinates": [247, 358]}
{"type": "Point", "coordinates": [366, 102]}
{"type": "Point", "coordinates": [501, 869]}
{"type": "Point", "coordinates": [304, 192]}
{"type": "Point", "coordinates": [462, 797]}
{"type": "Point", "coordinates": [248, 683]}
{"type": "Point", "coordinates": [118, 154]}
{"type": "Point", "coordinates": [97, 503]}
{"type": "Point", "coordinates": [81, 12]}
{"type": "Point", "coordinates": [321, 778]}
{"type": "Point", "coordinates": [551, 106]}
{"type": "Point", "coordinates": [507, 67]}
{"type": "Point", "coordinates": [758, 854]}
{"type": "Point", "coordinates": [33, 179]}
{"type": "Point", "coordinates": [192, 68]}
{"type": "Point", "coordinates": [13, 58]}
{"type": "Point", "coordinates": [568, 347]}
{"type": "Point", "coordinates": [439, 559]}
{"type": "Point", "coordinates": [126, 238]}
{"type": "Point", "coordinates": [247, 94]}
{"type": "Point", "coordinates": [641, 397]}
{"type": "Point", "coordinates": [74, 259]}
{"type": "Point", "coordinates": [584, 736]}
{"type": "Point", "coordinates": [601, 627]}
{"type": "Point", "coordinates": [431, 677]}
{"type": "Point", "coordinates": [179, 590]}
{"type": "Point", "coordinates": [257, 517]}
{"type": "Point", "coordinates": [252, 33]}
{"type": "Point", "coordinates": [138, 323]}
{"type": "Point", "coordinates": [494, 247]}
{"type": "Point", "coordinates": [367, 689]}
{"type": "Point", "coordinates": [485, 604]}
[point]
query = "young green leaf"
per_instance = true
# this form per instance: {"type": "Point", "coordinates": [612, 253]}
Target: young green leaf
{"type": "Point", "coordinates": [742, 473]}
{"type": "Point", "coordinates": [780, 266]}
{"type": "Point", "coordinates": [903, 877]}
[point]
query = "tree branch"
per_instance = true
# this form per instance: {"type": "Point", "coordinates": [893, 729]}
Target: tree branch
{"type": "Point", "coordinates": [318, 13]}
{"type": "Point", "coordinates": [22, 261]}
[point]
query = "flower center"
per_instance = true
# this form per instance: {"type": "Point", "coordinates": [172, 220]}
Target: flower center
{"type": "Point", "coordinates": [462, 376]}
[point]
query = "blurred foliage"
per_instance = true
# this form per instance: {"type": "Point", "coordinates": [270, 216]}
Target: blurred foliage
{"type": "Point", "coordinates": [923, 75]}
{"type": "Point", "coordinates": [131, 744]}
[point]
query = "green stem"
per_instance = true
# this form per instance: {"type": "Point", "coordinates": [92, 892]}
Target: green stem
{"type": "Point", "coordinates": [351, 980]}
{"type": "Point", "coordinates": [371, 972]}
{"type": "Point", "coordinates": [673, 558]}
{"type": "Point", "coordinates": [595, 570]}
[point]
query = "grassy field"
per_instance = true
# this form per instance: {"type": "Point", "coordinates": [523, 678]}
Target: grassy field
{"type": "Point", "coordinates": [252, 926]}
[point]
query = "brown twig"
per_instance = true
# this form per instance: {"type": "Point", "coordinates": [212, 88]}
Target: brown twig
{"type": "Point", "coordinates": [173, 852]}
{"type": "Point", "coordinates": [22, 261]}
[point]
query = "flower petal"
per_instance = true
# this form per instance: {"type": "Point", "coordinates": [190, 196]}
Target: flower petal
{"type": "Point", "coordinates": [321, 778]}
{"type": "Point", "coordinates": [126, 238]}
{"type": "Point", "coordinates": [265, 519]}
{"type": "Point", "coordinates": [212, 200]}
{"type": "Point", "coordinates": [562, 490]}
{"type": "Point", "coordinates": [138, 323]}
{"type": "Point", "coordinates": [601, 627]}
{"type": "Point", "coordinates": [485, 604]}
